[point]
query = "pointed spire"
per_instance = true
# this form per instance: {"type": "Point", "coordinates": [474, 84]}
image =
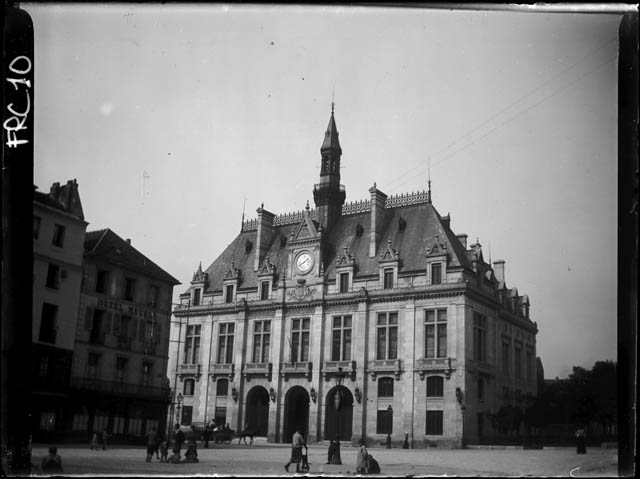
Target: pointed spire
{"type": "Point", "coordinates": [429, 178]}
{"type": "Point", "coordinates": [331, 135]}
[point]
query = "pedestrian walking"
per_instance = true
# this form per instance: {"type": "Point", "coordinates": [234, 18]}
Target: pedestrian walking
{"type": "Point", "coordinates": [94, 442]}
{"type": "Point", "coordinates": [334, 444]}
{"type": "Point", "coordinates": [581, 441]}
{"type": "Point", "coordinates": [361, 458]}
{"type": "Point", "coordinates": [178, 439]}
{"type": "Point", "coordinates": [152, 443]}
{"type": "Point", "coordinates": [206, 435]}
{"type": "Point", "coordinates": [296, 449]}
{"type": "Point", "coordinates": [105, 436]}
{"type": "Point", "coordinates": [52, 463]}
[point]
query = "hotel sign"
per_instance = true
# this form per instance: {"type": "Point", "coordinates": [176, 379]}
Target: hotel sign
{"type": "Point", "coordinates": [126, 309]}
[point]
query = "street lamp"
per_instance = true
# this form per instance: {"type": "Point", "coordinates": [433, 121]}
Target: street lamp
{"type": "Point", "coordinates": [337, 403]}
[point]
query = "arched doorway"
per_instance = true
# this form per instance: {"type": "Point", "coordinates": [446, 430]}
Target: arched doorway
{"type": "Point", "coordinates": [257, 411]}
{"type": "Point", "coordinates": [296, 412]}
{"type": "Point", "coordinates": [338, 420]}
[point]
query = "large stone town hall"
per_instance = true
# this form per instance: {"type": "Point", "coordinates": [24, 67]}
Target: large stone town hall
{"type": "Point", "coordinates": [360, 319]}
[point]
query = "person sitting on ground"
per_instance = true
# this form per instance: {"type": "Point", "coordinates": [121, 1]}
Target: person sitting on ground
{"type": "Point", "coordinates": [192, 453]}
{"type": "Point", "coordinates": [52, 463]}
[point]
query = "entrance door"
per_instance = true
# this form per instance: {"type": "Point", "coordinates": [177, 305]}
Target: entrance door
{"type": "Point", "coordinates": [338, 414]}
{"type": "Point", "coordinates": [257, 411]}
{"type": "Point", "coordinates": [296, 412]}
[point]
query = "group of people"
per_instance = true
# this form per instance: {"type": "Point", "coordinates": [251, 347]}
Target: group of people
{"type": "Point", "coordinates": [365, 463]}
{"type": "Point", "coordinates": [94, 446]}
{"type": "Point", "coordinates": [210, 430]}
{"type": "Point", "coordinates": [160, 447]}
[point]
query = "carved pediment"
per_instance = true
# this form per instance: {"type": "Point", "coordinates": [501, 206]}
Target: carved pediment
{"type": "Point", "coordinates": [268, 268]}
{"type": "Point", "coordinates": [345, 258]}
{"type": "Point", "coordinates": [436, 248]}
{"type": "Point", "coordinates": [232, 272]}
{"type": "Point", "coordinates": [308, 228]}
{"type": "Point", "coordinates": [389, 254]}
{"type": "Point", "coordinates": [199, 276]}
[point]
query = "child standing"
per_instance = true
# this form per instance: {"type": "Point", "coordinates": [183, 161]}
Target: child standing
{"type": "Point", "coordinates": [94, 441]}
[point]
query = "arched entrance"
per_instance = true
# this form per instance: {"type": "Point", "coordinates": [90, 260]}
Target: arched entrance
{"type": "Point", "coordinates": [296, 412]}
{"type": "Point", "coordinates": [338, 418]}
{"type": "Point", "coordinates": [257, 411]}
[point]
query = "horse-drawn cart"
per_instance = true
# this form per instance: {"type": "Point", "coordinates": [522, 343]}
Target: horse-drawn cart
{"type": "Point", "coordinates": [222, 436]}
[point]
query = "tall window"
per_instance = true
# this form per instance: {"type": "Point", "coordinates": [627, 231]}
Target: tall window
{"type": "Point", "coordinates": [96, 336]}
{"type": "Point", "coordinates": [434, 423]}
{"type": "Point", "coordinates": [388, 278]}
{"type": "Point", "coordinates": [93, 365]}
{"type": "Point", "coordinates": [102, 281]}
{"type": "Point", "coordinates": [228, 297]}
{"type": "Point", "coordinates": [189, 386]}
{"type": "Point", "coordinates": [153, 296]}
{"type": "Point", "coordinates": [300, 340]}
{"type": "Point", "coordinates": [58, 236]}
{"type": "Point", "coordinates": [222, 388]}
{"type": "Point", "coordinates": [43, 367]}
{"type": "Point", "coordinates": [435, 331]}
{"type": "Point", "coordinates": [387, 344]}
{"type": "Point", "coordinates": [36, 227]}
{"type": "Point", "coordinates": [48, 326]}
{"type": "Point", "coordinates": [125, 328]}
{"type": "Point", "coordinates": [121, 366]}
{"type": "Point", "coordinates": [344, 282]}
{"type": "Point", "coordinates": [517, 360]}
{"type": "Point", "coordinates": [435, 387]}
{"type": "Point", "coordinates": [53, 276]}
{"type": "Point", "coordinates": [506, 359]}
{"type": "Point", "coordinates": [147, 370]}
{"type": "Point", "coordinates": [436, 273]}
{"type": "Point", "coordinates": [480, 389]}
{"type": "Point", "coordinates": [264, 290]}
{"type": "Point", "coordinates": [196, 297]}
{"type": "Point", "coordinates": [129, 288]}
{"type": "Point", "coordinates": [341, 338]}
{"type": "Point", "coordinates": [261, 339]}
{"type": "Point", "coordinates": [384, 422]}
{"type": "Point", "coordinates": [479, 337]}
{"type": "Point", "coordinates": [192, 344]}
{"type": "Point", "coordinates": [225, 343]}
{"type": "Point", "coordinates": [529, 365]}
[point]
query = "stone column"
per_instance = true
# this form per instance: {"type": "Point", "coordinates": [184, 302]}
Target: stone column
{"type": "Point", "coordinates": [277, 356]}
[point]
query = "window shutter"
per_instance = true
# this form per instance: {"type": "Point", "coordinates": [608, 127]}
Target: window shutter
{"type": "Point", "coordinates": [88, 319]}
{"type": "Point", "coordinates": [116, 324]}
{"type": "Point", "coordinates": [107, 328]}
{"type": "Point", "coordinates": [141, 329]}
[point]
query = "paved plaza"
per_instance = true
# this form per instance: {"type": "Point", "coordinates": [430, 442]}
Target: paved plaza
{"type": "Point", "coordinates": [268, 459]}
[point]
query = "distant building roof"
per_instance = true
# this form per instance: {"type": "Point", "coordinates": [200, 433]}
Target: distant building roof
{"type": "Point", "coordinates": [109, 246]}
{"type": "Point", "coordinates": [64, 198]}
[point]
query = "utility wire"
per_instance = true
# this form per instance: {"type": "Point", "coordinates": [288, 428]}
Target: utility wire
{"type": "Point", "coordinates": [520, 99]}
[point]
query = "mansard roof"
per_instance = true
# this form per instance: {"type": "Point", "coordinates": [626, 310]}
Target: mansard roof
{"type": "Point", "coordinates": [422, 223]}
{"type": "Point", "coordinates": [107, 245]}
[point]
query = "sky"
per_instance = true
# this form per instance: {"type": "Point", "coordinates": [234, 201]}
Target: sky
{"type": "Point", "coordinates": [174, 119]}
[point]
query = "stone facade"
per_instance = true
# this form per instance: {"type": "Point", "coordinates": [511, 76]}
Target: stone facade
{"type": "Point", "coordinates": [361, 319]}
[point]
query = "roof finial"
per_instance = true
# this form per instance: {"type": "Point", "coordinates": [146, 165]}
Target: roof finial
{"type": "Point", "coordinates": [307, 207]}
{"type": "Point", "coordinates": [332, 99]}
{"type": "Point", "coordinates": [429, 178]}
{"type": "Point", "coordinates": [244, 203]}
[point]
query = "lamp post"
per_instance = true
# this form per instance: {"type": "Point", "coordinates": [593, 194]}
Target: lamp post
{"type": "Point", "coordinates": [175, 377]}
{"type": "Point", "coordinates": [337, 403]}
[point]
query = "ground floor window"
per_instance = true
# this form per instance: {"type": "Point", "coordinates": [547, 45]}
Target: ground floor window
{"type": "Point", "coordinates": [220, 415]}
{"type": "Point", "coordinates": [80, 421]}
{"type": "Point", "coordinates": [135, 426]}
{"type": "Point", "coordinates": [118, 425]}
{"type": "Point", "coordinates": [434, 423]}
{"type": "Point", "coordinates": [100, 421]}
{"type": "Point", "coordinates": [384, 423]}
{"type": "Point", "coordinates": [151, 423]}
{"type": "Point", "coordinates": [48, 421]}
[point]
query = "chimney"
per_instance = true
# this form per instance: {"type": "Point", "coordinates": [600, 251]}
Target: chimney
{"type": "Point", "coordinates": [265, 231]}
{"type": "Point", "coordinates": [463, 239]}
{"type": "Point", "coordinates": [54, 192]}
{"type": "Point", "coordinates": [498, 270]}
{"type": "Point", "coordinates": [128, 240]}
{"type": "Point", "coordinates": [378, 199]}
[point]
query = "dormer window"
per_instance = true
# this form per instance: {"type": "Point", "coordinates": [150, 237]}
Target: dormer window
{"type": "Point", "coordinates": [388, 278]}
{"type": "Point", "coordinates": [228, 293]}
{"type": "Point", "coordinates": [196, 296]}
{"type": "Point", "coordinates": [436, 273]}
{"type": "Point", "coordinates": [264, 290]}
{"type": "Point", "coordinates": [344, 282]}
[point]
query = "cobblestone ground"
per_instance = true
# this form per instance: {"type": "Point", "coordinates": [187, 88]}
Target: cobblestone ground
{"type": "Point", "coordinates": [268, 460]}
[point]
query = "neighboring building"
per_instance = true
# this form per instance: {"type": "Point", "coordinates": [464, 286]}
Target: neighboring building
{"type": "Point", "coordinates": [119, 370]}
{"type": "Point", "coordinates": [58, 240]}
{"type": "Point", "coordinates": [360, 319]}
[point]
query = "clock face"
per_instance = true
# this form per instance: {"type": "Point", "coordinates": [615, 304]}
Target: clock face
{"type": "Point", "coordinates": [304, 262]}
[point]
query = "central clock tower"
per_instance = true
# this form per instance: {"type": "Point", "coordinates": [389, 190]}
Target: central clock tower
{"type": "Point", "coordinates": [329, 194]}
{"type": "Point", "coordinates": [305, 251]}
